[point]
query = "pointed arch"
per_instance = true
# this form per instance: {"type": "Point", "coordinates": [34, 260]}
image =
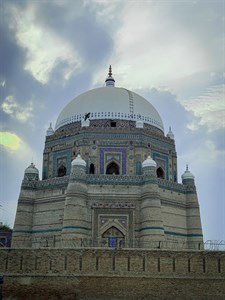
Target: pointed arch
{"type": "Point", "coordinates": [114, 236]}
{"type": "Point", "coordinates": [92, 169]}
{"type": "Point", "coordinates": [61, 171]}
{"type": "Point", "coordinates": [113, 169]}
{"type": "Point", "coordinates": [160, 173]}
{"type": "Point", "coordinates": [113, 232]}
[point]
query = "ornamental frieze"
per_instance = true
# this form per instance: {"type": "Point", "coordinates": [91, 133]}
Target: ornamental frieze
{"type": "Point", "coordinates": [113, 205]}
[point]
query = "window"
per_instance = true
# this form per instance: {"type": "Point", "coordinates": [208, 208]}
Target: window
{"type": "Point", "coordinates": [92, 169]}
{"type": "Point", "coordinates": [113, 124]}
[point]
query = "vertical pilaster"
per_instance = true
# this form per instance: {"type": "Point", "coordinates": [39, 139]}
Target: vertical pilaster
{"type": "Point", "coordinates": [151, 225]}
{"type": "Point", "coordinates": [76, 226]}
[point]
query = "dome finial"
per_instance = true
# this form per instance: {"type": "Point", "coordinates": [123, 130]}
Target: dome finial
{"type": "Point", "coordinates": [186, 167]}
{"type": "Point", "coordinates": [110, 71]}
{"type": "Point", "coordinates": [110, 80]}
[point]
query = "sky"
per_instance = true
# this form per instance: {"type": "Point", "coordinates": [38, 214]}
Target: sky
{"type": "Point", "coordinates": [169, 52]}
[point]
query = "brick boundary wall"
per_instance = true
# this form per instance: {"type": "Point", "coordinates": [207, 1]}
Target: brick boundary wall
{"type": "Point", "coordinates": [53, 274]}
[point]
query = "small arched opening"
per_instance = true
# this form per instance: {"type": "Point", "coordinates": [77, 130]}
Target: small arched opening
{"type": "Point", "coordinates": [160, 173]}
{"type": "Point", "coordinates": [61, 171]}
{"type": "Point", "coordinates": [113, 169]}
{"type": "Point", "coordinates": [92, 169]}
{"type": "Point", "coordinates": [114, 236]}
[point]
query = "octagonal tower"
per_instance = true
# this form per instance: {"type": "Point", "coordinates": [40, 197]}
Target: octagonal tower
{"type": "Point", "coordinates": [115, 199]}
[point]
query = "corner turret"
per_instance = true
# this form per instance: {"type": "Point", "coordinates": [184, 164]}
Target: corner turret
{"type": "Point", "coordinates": [170, 134]}
{"type": "Point", "coordinates": [31, 173]}
{"type": "Point", "coordinates": [188, 178]}
{"type": "Point", "coordinates": [50, 130]}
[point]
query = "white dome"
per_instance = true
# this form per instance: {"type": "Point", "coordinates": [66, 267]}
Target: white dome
{"type": "Point", "coordinates": [78, 161]}
{"type": "Point", "coordinates": [149, 162]}
{"type": "Point", "coordinates": [110, 103]}
{"type": "Point", "coordinates": [187, 174]}
{"type": "Point", "coordinates": [31, 169]}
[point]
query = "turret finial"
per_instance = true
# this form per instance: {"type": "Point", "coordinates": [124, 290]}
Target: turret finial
{"type": "Point", "coordinates": [186, 167]}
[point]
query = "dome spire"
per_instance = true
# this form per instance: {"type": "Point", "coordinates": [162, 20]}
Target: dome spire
{"type": "Point", "coordinates": [110, 80]}
{"type": "Point", "coordinates": [110, 71]}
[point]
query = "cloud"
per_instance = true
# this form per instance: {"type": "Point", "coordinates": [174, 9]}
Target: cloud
{"type": "Point", "coordinates": [209, 108]}
{"type": "Point", "coordinates": [12, 108]}
{"type": "Point", "coordinates": [2, 83]}
{"type": "Point", "coordinates": [45, 49]}
{"type": "Point", "coordinates": [163, 54]}
{"type": "Point", "coordinates": [165, 46]}
{"type": "Point", "coordinates": [10, 140]}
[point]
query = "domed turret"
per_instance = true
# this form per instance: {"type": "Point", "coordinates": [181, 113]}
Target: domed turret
{"type": "Point", "coordinates": [149, 167]}
{"type": "Point", "coordinates": [78, 167]}
{"type": "Point", "coordinates": [149, 162]}
{"type": "Point", "coordinates": [78, 161]}
{"type": "Point", "coordinates": [170, 134]}
{"type": "Point", "coordinates": [50, 130]}
{"type": "Point", "coordinates": [187, 177]}
{"type": "Point", "coordinates": [31, 173]}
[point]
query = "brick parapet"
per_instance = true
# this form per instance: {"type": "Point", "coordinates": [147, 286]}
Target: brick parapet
{"type": "Point", "coordinates": [130, 262]}
{"type": "Point", "coordinates": [112, 274]}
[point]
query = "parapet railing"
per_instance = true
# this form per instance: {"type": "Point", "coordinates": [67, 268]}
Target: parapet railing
{"type": "Point", "coordinates": [59, 242]}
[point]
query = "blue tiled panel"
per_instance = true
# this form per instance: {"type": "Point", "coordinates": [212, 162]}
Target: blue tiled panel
{"type": "Point", "coordinates": [87, 166]}
{"type": "Point", "coordinates": [102, 158]}
{"type": "Point", "coordinates": [59, 154]}
{"type": "Point", "coordinates": [138, 168]}
{"type": "Point", "coordinates": [45, 171]}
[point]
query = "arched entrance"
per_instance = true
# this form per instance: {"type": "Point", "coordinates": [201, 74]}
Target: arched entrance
{"type": "Point", "coordinates": [92, 169]}
{"type": "Point", "coordinates": [113, 169]}
{"type": "Point", "coordinates": [114, 236]}
{"type": "Point", "coordinates": [61, 171]}
{"type": "Point", "coordinates": [160, 173]}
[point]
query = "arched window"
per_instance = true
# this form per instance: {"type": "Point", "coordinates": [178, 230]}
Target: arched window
{"type": "Point", "coordinates": [61, 171]}
{"type": "Point", "coordinates": [112, 169]}
{"type": "Point", "coordinates": [160, 173]}
{"type": "Point", "coordinates": [92, 169]}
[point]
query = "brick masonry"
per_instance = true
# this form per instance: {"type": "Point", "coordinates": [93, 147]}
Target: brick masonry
{"type": "Point", "coordinates": [112, 274]}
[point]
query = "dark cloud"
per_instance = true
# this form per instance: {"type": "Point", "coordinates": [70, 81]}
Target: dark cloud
{"type": "Point", "coordinates": [12, 57]}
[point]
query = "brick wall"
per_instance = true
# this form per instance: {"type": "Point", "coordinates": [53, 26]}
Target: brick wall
{"type": "Point", "coordinates": [112, 274]}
